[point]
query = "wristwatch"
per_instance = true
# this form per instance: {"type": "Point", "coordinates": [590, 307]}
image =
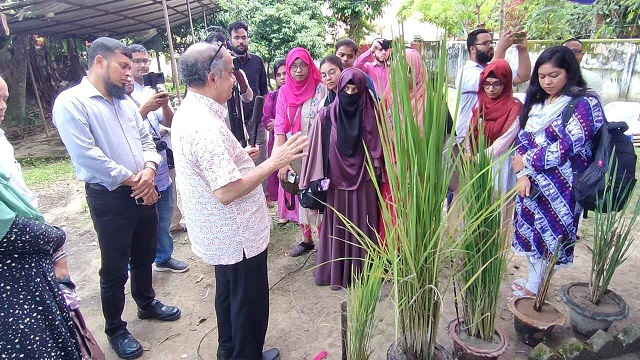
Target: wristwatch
{"type": "Point", "coordinates": [152, 166]}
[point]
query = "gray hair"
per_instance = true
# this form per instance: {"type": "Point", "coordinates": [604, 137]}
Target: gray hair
{"type": "Point", "coordinates": [195, 64]}
{"type": "Point", "coordinates": [137, 48]}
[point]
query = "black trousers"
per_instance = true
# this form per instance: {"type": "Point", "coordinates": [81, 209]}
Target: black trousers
{"type": "Point", "coordinates": [242, 307]}
{"type": "Point", "coordinates": [127, 234]}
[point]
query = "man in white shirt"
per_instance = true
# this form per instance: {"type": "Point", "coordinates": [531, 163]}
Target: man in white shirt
{"type": "Point", "coordinates": [7, 154]}
{"type": "Point", "coordinates": [592, 78]}
{"type": "Point", "coordinates": [223, 202]}
{"type": "Point", "coordinates": [481, 52]}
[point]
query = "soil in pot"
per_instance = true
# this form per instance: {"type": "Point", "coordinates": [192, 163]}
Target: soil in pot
{"type": "Point", "coordinates": [533, 327]}
{"type": "Point", "coordinates": [396, 352]}
{"type": "Point", "coordinates": [467, 347]}
{"type": "Point", "coordinates": [587, 318]}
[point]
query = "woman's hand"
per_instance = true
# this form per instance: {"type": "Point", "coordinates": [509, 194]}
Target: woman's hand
{"type": "Point", "coordinates": [517, 164]}
{"type": "Point", "coordinates": [270, 125]}
{"type": "Point", "coordinates": [282, 173]}
{"type": "Point", "coordinates": [523, 186]}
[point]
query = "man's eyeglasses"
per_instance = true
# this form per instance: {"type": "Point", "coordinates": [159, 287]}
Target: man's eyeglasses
{"type": "Point", "coordinates": [216, 54]}
{"type": "Point", "coordinates": [496, 85]}
{"type": "Point", "coordinates": [300, 66]}
{"type": "Point", "coordinates": [142, 61]}
{"type": "Point", "coordinates": [577, 51]}
{"type": "Point", "coordinates": [487, 43]}
{"type": "Point", "coordinates": [329, 74]}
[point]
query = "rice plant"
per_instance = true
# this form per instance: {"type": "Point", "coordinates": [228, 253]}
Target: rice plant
{"type": "Point", "coordinates": [485, 255]}
{"type": "Point", "coordinates": [612, 239]}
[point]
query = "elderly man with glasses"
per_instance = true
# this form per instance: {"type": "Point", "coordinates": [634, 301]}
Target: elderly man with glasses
{"type": "Point", "coordinates": [481, 52]}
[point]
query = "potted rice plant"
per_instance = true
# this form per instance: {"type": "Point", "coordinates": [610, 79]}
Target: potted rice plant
{"type": "Point", "coordinates": [593, 306]}
{"type": "Point", "coordinates": [533, 317]}
{"type": "Point", "coordinates": [482, 262]}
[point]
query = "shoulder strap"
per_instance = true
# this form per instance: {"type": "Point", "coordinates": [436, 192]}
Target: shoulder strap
{"type": "Point", "coordinates": [568, 110]}
{"type": "Point", "coordinates": [326, 139]}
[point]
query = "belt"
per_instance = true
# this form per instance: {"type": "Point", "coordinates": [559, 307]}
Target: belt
{"type": "Point", "coordinates": [119, 189]}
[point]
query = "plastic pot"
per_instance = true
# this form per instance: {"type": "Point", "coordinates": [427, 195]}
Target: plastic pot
{"type": "Point", "coordinates": [466, 351]}
{"type": "Point", "coordinates": [587, 321]}
{"type": "Point", "coordinates": [531, 327]}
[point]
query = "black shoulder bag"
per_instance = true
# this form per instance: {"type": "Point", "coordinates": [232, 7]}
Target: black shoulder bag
{"type": "Point", "coordinates": [313, 197]}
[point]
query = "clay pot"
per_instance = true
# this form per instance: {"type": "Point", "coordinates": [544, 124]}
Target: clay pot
{"type": "Point", "coordinates": [533, 328]}
{"type": "Point", "coordinates": [466, 351]}
{"type": "Point", "coordinates": [587, 321]}
{"type": "Point", "coordinates": [396, 352]}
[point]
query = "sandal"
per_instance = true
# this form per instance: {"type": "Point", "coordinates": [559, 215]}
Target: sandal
{"type": "Point", "coordinates": [283, 221]}
{"type": "Point", "coordinates": [301, 249]}
{"type": "Point", "coordinates": [524, 292]}
{"type": "Point", "coordinates": [519, 284]}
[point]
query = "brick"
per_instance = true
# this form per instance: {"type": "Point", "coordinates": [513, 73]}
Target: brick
{"type": "Point", "coordinates": [604, 345]}
{"type": "Point", "coordinates": [543, 352]}
{"type": "Point", "coordinates": [574, 349]}
{"type": "Point", "coordinates": [629, 337]}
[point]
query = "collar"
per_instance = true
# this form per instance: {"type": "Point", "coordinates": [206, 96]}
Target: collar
{"type": "Point", "coordinates": [213, 107]}
{"type": "Point", "coordinates": [88, 88]}
{"type": "Point", "coordinates": [471, 63]}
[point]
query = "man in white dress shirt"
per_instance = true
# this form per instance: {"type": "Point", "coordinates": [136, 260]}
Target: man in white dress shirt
{"type": "Point", "coordinates": [592, 78]}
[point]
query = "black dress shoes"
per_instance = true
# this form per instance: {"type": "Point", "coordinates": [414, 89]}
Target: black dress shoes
{"type": "Point", "coordinates": [125, 345]}
{"type": "Point", "coordinates": [159, 311]}
{"type": "Point", "coordinates": [272, 354]}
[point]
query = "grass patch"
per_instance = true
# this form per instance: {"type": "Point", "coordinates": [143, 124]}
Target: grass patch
{"type": "Point", "coordinates": [39, 173]}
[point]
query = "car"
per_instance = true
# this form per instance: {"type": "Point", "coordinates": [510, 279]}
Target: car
{"type": "Point", "coordinates": [628, 112]}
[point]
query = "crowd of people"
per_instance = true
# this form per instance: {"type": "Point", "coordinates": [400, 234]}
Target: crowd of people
{"type": "Point", "coordinates": [318, 127]}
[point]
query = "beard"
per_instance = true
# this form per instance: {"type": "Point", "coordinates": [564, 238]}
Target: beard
{"type": "Point", "coordinates": [116, 91]}
{"type": "Point", "coordinates": [483, 57]}
{"type": "Point", "coordinates": [235, 50]}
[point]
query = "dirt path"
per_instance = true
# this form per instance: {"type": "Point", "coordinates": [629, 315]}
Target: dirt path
{"type": "Point", "coordinates": [304, 318]}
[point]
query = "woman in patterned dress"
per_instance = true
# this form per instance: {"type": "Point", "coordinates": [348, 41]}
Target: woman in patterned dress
{"type": "Point", "coordinates": [299, 101]}
{"type": "Point", "coordinates": [34, 317]}
{"type": "Point", "coordinates": [547, 154]}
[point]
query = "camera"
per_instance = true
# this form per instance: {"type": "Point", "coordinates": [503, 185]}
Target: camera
{"type": "Point", "coordinates": [518, 37]}
{"type": "Point", "coordinates": [386, 44]}
{"type": "Point", "coordinates": [153, 79]}
{"type": "Point", "coordinates": [161, 145]}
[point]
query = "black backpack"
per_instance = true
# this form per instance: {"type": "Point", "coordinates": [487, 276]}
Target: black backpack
{"type": "Point", "coordinates": [609, 144]}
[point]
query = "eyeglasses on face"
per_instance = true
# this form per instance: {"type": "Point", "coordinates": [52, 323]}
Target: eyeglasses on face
{"type": "Point", "coordinates": [577, 51]}
{"type": "Point", "coordinates": [329, 74]}
{"type": "Point", "coordinates": [495, 85]}
{"type": "Point", "coordinates": [298, 67]}
{"type": "Point", "coordinates": [142, 61]}
{"type": "Point", "coordinates": [487, 43]}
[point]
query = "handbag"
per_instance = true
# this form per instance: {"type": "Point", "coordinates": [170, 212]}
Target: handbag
{"type": "Point", "coordinates": [314, 196]}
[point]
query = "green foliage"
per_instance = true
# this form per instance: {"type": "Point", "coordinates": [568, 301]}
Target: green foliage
{"type": "Point", "coordinates": [485, 249]}
{"type": "Point", "coordinates": [559, 19]}
{"type": "Point", "coordinates": [41, 172]}
{"type": "Point", "coordinates": [613, 235]}
{"type": "Point", "coordinates": [356, 16]}
{"type": "Point", "coordinates": [456, 17]}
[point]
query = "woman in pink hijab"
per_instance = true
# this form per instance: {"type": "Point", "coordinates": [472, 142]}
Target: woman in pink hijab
{"type": "Point", "coordinates": [299, 102]}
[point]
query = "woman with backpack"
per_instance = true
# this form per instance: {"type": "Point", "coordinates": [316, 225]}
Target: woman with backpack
{"type": "Point", "coordinates": [548, 152]}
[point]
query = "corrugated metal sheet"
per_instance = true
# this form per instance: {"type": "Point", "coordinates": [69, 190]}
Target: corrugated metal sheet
{"type": "Point", "coordinates": [94, 18]}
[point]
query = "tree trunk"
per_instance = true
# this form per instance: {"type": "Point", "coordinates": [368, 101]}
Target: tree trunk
{"type": "Point", "coordinates": [17, 103]}
{"type": "Point", "coordinates": [76, 71]}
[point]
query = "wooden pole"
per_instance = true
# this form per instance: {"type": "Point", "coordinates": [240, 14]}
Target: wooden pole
{"type": "Point", "coordinates": [174, 66]}
{"type": "Point", "coordinates": [35, 90]}
{"type": "Point", "coordinates": [204, 15]}
{"type": "Point", "coordinates": [193, 34]}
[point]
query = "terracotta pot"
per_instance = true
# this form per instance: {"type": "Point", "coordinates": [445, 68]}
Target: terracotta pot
{"type": "Point", "coordinates": [530, 328]}
{"type": "Point", "coordinates": [465, 351]}
{"type": "Point", "coordinates": [397, 353]}
{"type": "Point", "coordinates": [587, 322]}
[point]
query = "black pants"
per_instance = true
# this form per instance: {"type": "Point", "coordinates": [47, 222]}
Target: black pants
{"type": "Point", "coordinates": [127, 234]}
{"type": "Point", "coordinates": [242, 307]}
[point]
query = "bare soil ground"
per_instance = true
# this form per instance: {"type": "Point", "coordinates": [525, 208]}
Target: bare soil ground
{"type": "Point", "coordinates": [304, 318]}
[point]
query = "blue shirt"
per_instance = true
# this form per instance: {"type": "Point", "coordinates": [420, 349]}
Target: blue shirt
{"type": "Point", "coordinates": [140, 95]}
{"type": "Point", "coordinates": [107, 141]}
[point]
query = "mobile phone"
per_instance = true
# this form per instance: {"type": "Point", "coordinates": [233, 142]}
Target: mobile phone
{"type": "Point", "coordinates": [534, 192]}
{"type": "Point", "coordinates": [518, 37]}
{"type": "Point", "coordinates": [139, 201]}
{"type": "Point", "coordinates": [386, 44]}
{"type": "Point", "coordinates": [291, 177]}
